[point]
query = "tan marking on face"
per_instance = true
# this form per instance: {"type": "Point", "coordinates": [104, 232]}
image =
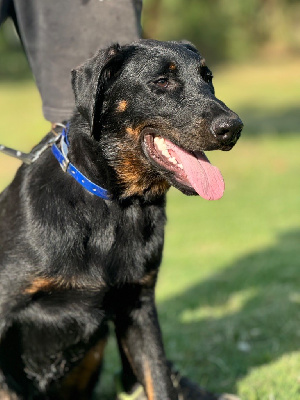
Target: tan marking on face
{"type": "Point", "coordinates": [122, 105]}
{"type": "Point", "coordinates": [148, 381]}
{"type": "Point", "coordinates": [157, 189]}
{"type": "Point", "coordinates": [172, 66]}
{"type": "Point", "coordinates": [134, 176]}
{"type": "Point", "coordinates": [133, 132]}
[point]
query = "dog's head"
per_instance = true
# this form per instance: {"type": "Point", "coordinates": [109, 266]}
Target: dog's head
{"type": "Point", "coordinates": [151, 105]}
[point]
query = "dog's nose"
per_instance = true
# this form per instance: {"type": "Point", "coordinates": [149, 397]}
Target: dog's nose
{"type": "Point", "coordinates": [227, 130]}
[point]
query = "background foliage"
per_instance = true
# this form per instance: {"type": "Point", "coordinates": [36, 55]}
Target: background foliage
{"type": "Point", "coordinates": [227, 29]}
{"type": "Point", "coordinates": [224, 30]}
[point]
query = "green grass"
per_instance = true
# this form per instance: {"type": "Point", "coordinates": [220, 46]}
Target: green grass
{"type": "Point", "coordinates": [228, 293]}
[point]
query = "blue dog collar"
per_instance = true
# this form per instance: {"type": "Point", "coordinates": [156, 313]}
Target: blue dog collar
{"type": "Point", "coordinates": [62, 158]}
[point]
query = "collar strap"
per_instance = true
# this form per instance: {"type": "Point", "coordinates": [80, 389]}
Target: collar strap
{"type": "Point", "coordinates": [62, 158]}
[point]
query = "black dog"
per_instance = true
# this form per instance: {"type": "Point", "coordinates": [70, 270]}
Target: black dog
{"type": "Point", "coordinates": [70, 261]}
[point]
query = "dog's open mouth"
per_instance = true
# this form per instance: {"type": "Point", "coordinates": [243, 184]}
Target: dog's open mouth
{"type": "Point", "coordinates": [192, 170]}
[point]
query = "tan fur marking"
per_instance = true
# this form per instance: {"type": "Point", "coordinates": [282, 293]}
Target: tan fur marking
{"type": "Point", "coordinates": [135, 178]}
{"type": "Point", "coordinates": [128, 355]}
{"type": "Point", "coordinates": [148, 381]}
{"type": "Point", "coordinates": [123, 104]}
{"type": "Point", "coordinates": [58, 283]}
{"type": "Point", "coordinates": [78, 379]}
{"type": "Point", "coordinates": [156, 189]}
{"type": "Point", "coordinates": [172, 67]}
{"type": "Point", "coordinates": [4, 395]}
{"type": "Point", "coordinates": [203, 62]}
{"type": "Point", "coordinates": [40, 284]}
{"type": "Point", "coordinates": [133, 132]}
{"type": "Point", "coordinates": [133, 171]}
{"type": "Point", "coordinates": [149, 280]}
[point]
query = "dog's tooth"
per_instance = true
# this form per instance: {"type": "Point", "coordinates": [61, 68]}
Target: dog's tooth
{"type": "Point", "coordinates": [173, 160]}
{"type": "Point", "coordinates": [166, 153]}
{"type": "Point", "coordinates": [160, 143]}
{"type": "Point", "coordinates": [180, 166]}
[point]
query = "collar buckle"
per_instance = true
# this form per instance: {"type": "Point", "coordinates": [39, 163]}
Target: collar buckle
{"type": "Point", "coordinates": [62, 157]}
{"type": "Point", "coordinates": [65, 164]}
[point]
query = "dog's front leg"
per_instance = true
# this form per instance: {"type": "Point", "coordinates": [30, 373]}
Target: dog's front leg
{"type": "Point", "coordinates": [139, 335]}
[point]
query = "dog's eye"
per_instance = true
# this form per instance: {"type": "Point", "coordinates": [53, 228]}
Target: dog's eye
{"type": "Point", "coordinates": [206, 74]}
{"type": "Point", "coordinates": [162, 82]}
{"type": "Point", "coordinates": [208, 77]}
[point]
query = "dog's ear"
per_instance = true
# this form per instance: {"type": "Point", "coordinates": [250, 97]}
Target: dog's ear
{"type": "Point", "coordinates": [89, 79]}
{"type": "Point", "coordinates": [109, 73]}
{"type": "Point", "coordinates": [189, 45]}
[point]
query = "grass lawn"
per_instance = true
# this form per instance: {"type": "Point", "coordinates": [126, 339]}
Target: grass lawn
{"type": "Point", "coordinates": [228, 293]}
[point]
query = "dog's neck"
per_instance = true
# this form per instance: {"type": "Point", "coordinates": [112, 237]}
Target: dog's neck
{"type": "Point", "coordinates": [88, 156]}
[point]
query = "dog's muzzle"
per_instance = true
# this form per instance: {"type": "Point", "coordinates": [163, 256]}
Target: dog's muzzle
{"type": "Point", "coordinates": [227, 130]}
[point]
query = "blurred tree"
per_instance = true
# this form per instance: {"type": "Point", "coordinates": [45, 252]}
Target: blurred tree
{"type": "Point", "coordinates": [226, 29]}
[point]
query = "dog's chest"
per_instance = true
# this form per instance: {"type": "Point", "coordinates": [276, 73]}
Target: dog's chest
{"type": "Point", "coordinates": [124, 246]}
{"type": "Point", "coordinates": [122, 249]}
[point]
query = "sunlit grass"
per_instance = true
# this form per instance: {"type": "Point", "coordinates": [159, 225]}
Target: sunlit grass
{"type": "Point", "coordinates": [268, 85]}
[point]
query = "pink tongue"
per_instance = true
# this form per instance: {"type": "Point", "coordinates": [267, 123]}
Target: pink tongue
{"type": "Point", "coordinates": [204, 177]}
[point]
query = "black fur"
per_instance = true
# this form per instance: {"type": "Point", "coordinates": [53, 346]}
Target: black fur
{"type": "Point", "coordinates": [70, 261]}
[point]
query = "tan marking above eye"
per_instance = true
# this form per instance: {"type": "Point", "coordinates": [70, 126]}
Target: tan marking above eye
{"type": "Point", "coordinates": [122, 105]}
{"type": "Point", "coordinates": [172, 66]}
{"type": "Point", "coordinates": [202, 62]}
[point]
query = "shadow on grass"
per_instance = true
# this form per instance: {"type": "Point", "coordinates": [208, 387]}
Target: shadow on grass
{"type": "Point", "coordinates": [243, 317]}
{"type": "Point", "coordinates": [257, 121]}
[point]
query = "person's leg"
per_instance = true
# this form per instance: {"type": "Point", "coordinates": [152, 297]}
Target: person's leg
{"type": "Point", "coordinates": [6, 9]}
{"type": "Point", "coordinates": [60, 35]}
